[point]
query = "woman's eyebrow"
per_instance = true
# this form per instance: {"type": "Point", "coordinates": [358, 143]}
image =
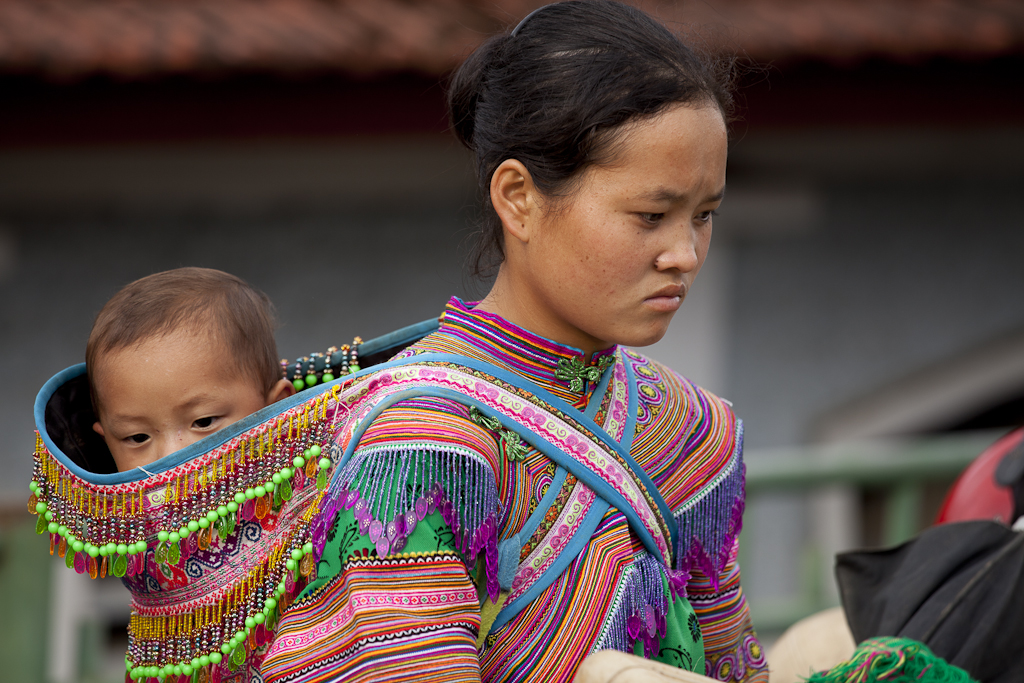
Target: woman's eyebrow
{"type": "Point", "coordinates": [663, 194]}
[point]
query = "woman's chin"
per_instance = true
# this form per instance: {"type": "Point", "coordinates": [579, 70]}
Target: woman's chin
{"type": "Point", "coordinates": [644, 335]}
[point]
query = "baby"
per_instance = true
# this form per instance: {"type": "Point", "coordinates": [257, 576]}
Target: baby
{"type": "Point", "coordinates": [177, 356]}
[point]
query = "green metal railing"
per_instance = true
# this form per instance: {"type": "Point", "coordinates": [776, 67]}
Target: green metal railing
{"type": "Point", "coordinates": [902, 468]}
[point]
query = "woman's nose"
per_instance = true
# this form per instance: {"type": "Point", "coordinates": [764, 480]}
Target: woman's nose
{"type": "Point", "coordinates": [679, 254]}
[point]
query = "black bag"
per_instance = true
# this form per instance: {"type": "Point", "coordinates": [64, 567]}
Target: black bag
{"type": "Point", "coordinates": [958, 588]}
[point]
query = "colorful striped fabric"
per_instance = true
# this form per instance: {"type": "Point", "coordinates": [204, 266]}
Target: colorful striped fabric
{"type": "Point", "coordinates": [368, 617]}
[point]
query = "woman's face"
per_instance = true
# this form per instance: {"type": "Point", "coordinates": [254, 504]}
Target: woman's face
{"type": "Point", "coordinates": [612, 263]}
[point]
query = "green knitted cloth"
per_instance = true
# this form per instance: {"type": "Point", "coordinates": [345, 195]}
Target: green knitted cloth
{"type": "Point", "coordinates": [893, 660]}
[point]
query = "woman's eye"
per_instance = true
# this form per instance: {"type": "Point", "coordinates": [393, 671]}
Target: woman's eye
{"type": "Point", "coordinates": [705, 216]}
{"type": "Point", "coordinates": [651, 218]}
{"type": "Point", "coordinates": [138, 438]}
{"type": "Point", "coordinates": [203, 422]}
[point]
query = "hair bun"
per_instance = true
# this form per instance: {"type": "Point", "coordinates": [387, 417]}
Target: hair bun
{"type": "Point", "coordinates": [466, 88]}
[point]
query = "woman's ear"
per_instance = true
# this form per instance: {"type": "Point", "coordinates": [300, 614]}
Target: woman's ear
{"type": "Point", "coordinates": [283, 389]}
{"type": "Point", "coordinates": [514, 198]}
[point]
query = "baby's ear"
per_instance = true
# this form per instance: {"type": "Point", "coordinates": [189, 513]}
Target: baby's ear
{"type": "Point", "coordinates": [98, 428]}
{"type": "Point", "coordinates": [283, 389]}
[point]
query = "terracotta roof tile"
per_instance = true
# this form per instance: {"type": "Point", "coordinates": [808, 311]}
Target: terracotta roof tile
{"type": "Point", "coordinates": [136, 38]}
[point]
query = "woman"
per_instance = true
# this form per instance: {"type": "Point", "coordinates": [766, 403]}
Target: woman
{"type": "Point", "coordinates": [514, 491]}
{"type": "Point", "coordinates": [600, 144]}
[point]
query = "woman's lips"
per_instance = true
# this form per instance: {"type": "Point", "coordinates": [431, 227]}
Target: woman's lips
{"type": "Point", "coordinates": [667, 299]}
{"type": "Point", "coordinates": [665, 304]}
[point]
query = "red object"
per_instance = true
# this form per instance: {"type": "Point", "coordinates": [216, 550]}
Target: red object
{"type": "Point", "coordinates": [975, 494]}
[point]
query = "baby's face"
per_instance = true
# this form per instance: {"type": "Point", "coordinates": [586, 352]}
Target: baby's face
{"type": "Point", "coordinates": [169, 392]}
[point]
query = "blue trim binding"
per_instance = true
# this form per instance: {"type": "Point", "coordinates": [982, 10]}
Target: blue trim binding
{"type": "Point", "coordinates": [567, 556]}
{"type": "Point", "coordinates": [397, 338]}
{"type": "Point", "coordinates": [631, 405]}
{"type": "Point", "coordinates": [560, 405]}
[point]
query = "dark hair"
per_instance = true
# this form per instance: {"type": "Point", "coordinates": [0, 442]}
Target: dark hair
{"type": "Point", "coordinates": [199, 300]}
{"type": "Point", "coordinates": [555, 95]}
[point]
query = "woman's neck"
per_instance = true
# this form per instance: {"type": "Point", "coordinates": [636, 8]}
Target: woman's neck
{"type": "Point", "coordinates": [515, 305]}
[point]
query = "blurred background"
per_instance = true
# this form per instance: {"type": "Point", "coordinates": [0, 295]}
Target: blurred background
{"type": "Point", "coordinates": [862, 305]}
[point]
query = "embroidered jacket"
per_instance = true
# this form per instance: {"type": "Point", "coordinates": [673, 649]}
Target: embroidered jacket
{"type": "Point", "coordinates": [560, 572]}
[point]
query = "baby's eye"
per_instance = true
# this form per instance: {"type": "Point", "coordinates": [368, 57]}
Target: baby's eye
{"type": "Point", "coordinates": [203, 422]}
{"type": "Point", "coordinates": [139, 438]}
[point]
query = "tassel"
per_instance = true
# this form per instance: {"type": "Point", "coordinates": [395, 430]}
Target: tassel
{"type": "Point", "coordinates": [893, 660]}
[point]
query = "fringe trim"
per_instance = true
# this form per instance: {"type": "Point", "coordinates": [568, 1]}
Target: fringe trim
{"type": "Point", "coordinates": [391, 490]}
{"type": "Point", "coordinates": [710, 525]}
{"type": "Point", "coordinates": [641, 609]}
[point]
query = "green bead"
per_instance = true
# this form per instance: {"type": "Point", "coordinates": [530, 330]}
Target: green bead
{"type": "Point", "coordinates": [162, 536]}
{"type": "Point", "coordinates": [93, 551]}
{"type": "Point", "coordinates": [212, 516]}
{"type": "Point", "coordinates": [328, 377]}
{"type": "Point", "coordinates": [48, 515]}
{"type": "Point", "coordinates": [259, 617]}
{"type": "Point", "coordinates": [204, 523]}
{"type": "Point", "coordinates": [260, 492]}
{"type": "Point", "coordinates": [204, 660]}
{"type": "Point", "coordinates": [176, 670]}
{"type": "Point", "coordinates": [122, 549]}
{"type": "Point", "coordinates": [299, 461]}
{"type": "Point", "coordinates": [250, 493]}
{"type": "Point", "coordinates": [52, 527]}
{"type": "Point", "coordinates": [311, 380]}
{"type": "Point", "coordinates": [174, 537]}
{"type": "Point", "coordinates": [276, 478]}
{"type": "Point", "coordinates": [307, 454]}
{"type": "Point", "coordinates": [307, 548]}
{"type": "Point", "coordinates": [111, 548]}
{"type": "Point", "coordinates": [222, 510]}
{"type": "Point", "coordinates": [187, 669]}
{"type": "Point", "coordinates": [62, 530]}
{"type": "Point", "coordinates": [296, 554]}
{"type": "Point", "coordinates": [324, 463]}
{"type": "Point", "coordinates": [226, 648]}
{"type": "Point", "coordinates": [286, 474]}
{"type": "Point", "coordinates": [314, 450]}
{"type": "Point", "coordinates": [250, 622]}
{"type": "Point", "coordinates": [70, 538]}
{"type": "Point", "coordinates": [281, 587]}
{"type": "Point", "coordinates": [140, 546]}
{"type": "Point", "coordinates": [354, 368]}
{"type": "Point", "coordinates": [216, 658]}
{"type": "Point", "coordinates": [240, 497]}
{"type": "Point", "coordinates": [240, 636]}
{"type": "Point", "coordinates": [78, 546]}
{"type": "Point", "coordinates": [40, 507]}
{"type": "Point", "coordinates": [33, 486]}
{"type": "Point", "coordinates": [103, 551]}
{"type": "Point", "coordinates": [193, 526]}
{"type": "Point", "coordinates": [299, 385]}
{"type": "Point", "coordinates": [270, 603]}
{"type": "Point", "coordinates": [233, 506]}
{"type": "Point", "coordinates": [196, 662]}
{"type": "Point", "coordinates": [290, 564]}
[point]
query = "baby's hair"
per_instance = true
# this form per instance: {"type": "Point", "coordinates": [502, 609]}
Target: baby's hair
{"type": "Point", "coordinates": [200, 300]}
